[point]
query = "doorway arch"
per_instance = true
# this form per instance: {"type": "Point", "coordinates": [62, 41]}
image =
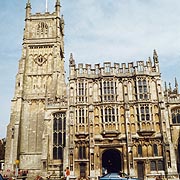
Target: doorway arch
{"type": "Point", "coordinates": [111, 160]}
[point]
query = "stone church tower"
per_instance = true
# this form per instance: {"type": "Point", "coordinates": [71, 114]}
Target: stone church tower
{"type": "Point", "coordinates": [40, 81]}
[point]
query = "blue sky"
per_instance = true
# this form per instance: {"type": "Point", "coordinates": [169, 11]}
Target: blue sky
{"type": "Point", "coordinates": [95, 31]}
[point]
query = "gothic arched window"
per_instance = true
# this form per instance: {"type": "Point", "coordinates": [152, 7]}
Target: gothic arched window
{"type": "Point", "coordinates": [175, 114]}
{"type": "Point", "coordinates": [140, 150]}
{"type": "Point", "coordinates": [42, 29]}
{"type": "Point", "coordinates": [59, 134]}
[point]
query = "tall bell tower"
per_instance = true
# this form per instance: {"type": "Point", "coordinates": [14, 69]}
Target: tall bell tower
{"type": "Point", "coordinates": [40, 78]}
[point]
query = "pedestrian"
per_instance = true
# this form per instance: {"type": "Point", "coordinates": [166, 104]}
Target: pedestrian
{"type": "Point", "coordinates": [67, 173]}
{"type": "Point", "coordinates": [24, 175]}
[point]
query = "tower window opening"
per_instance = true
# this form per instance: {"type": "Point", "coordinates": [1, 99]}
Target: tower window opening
{"type": "Point", "coordinates": [42, 29]}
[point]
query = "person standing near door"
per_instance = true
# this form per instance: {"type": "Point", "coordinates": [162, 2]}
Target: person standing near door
{"type": "Point", "coordinates": [67, 173]}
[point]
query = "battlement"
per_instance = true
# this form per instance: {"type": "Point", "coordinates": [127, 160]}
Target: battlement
{"type": "Point", "coordinates": [40, 15]}
{"type": "Point", "coordinates": [46, 14]}
{"type": "Point", "coordinates": [116, 69]}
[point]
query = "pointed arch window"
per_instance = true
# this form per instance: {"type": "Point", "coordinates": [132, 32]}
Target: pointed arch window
{"type": "Point", "coordinates": [140, 150]}
{"type": "Point", "coordinates": [42, 29]}
{"type": "Point", "coordinates": [59, 134]}
{"type": "Point", "coordinates": [155, 149]}
{"type": "Point", "coordinates": [175, 115]}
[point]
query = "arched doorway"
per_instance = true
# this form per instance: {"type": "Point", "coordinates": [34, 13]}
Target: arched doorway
{"type": "Point", "coordinates": [111, 160]}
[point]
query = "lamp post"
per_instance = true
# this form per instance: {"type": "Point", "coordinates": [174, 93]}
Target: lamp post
{"type": "Point", "coordinates": [16, 170]}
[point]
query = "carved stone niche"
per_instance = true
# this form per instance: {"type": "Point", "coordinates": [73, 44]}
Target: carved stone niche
{"type": "Point", "coordinates": [110, 133]}
{"type": "Point", "coordinates": [145, 133]}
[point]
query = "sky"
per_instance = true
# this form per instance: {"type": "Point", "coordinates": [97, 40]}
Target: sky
{"type": "Point", "coordinates": [96, 31]}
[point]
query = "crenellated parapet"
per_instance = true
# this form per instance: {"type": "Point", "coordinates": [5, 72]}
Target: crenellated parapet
{"type": "Point", "coordinates": [117, 69]}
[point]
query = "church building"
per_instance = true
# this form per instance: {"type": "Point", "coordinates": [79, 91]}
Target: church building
{"type": "Point", "coordinates": [107, 118]}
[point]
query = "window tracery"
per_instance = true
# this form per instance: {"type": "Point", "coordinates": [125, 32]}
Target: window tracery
{"type": "Point", "coordinates": [142, 89]}
{"type": "Point", "coordinates": [175, 113]}
{"type": "Point", "coordinates": [157, 165]}
{"type": "Point", "coordinates": [59, 133]}
{"type": "Point", "coordinates": [108, 90]}
{"type": "Point", "coordinates": [139, 150]}
{"type": "Point", "coordinates": [109, 114]}
{"type": "Point", "coordinates": [82, 91]}
{"type": "Point", "coordinates": [42, 29]}
{"type": "Point", "coordinates": [81, 115]}
{"type": "Point", "coordinates": [144, 112]}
